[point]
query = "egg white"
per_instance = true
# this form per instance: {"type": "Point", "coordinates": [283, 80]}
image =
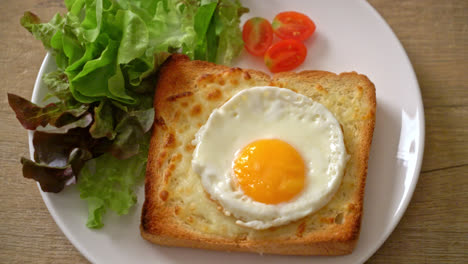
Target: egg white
{"type": "Point", "coordinates": [270, 112]}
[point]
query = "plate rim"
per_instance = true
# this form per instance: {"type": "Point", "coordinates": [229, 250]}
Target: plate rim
{"type": "Point", "coordinates": [390, 228]}
{"type": "Point", "coordinates": [421, 138]}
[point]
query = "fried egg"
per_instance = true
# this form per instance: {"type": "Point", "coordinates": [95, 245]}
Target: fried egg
{"type": "Point", "coordinates": [270, 156]}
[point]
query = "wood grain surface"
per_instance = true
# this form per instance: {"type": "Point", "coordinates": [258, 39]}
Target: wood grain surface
{"type": "Point", "coordinates": [434, 229]}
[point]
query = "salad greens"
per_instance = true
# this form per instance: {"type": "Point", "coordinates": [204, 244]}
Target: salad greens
{"type": "Point", "coordinates": [107, 182]}
{"type": "Point", "coordinates": [106, 52]}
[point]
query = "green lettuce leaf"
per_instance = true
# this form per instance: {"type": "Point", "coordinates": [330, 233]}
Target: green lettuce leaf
{"type": "Point", "coordinates": [108, 182]}
{"type": "Point", "coordinates": [107, 47]}
{"type": "Point", "coordinates": [130, 130]}
{"type": "Point", "coordinates": [202, 22]}
{"type": "Point", "coordinates": [227, 20]}
{"type": "Point", "coordinates": [103, 125]}
{"type": "Point", "coordinates": [93, 19]}
{"type": "Point", "coordinates": [57, 84]}
{"type": "Point", "coordinates": [42, 31]}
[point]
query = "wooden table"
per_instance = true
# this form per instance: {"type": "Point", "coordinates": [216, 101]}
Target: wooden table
{"type": "Point", "coordinates": [434, 229]}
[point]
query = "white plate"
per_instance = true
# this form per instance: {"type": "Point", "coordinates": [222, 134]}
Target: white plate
{"type": "Point", "coordinates": [350, 36]}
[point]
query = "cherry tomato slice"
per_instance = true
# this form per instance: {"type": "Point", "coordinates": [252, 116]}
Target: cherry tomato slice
{"type": "Point", "coordinates": [257, 35]}
{"type": "Point", "coordinates": [293, 25]}
{"type": "Point", "coordinates": [285, 55]}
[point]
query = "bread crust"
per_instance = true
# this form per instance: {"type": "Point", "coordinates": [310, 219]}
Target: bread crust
{"type": "Point", "coordinates": [178, 79]}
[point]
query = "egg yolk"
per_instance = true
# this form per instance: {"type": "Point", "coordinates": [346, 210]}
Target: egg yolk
{"type": "Point", "coordinates": [269, 171]}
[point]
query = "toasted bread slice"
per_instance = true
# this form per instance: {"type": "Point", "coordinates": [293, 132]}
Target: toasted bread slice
{"type": "Point", "coordinates": [178, 212]}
